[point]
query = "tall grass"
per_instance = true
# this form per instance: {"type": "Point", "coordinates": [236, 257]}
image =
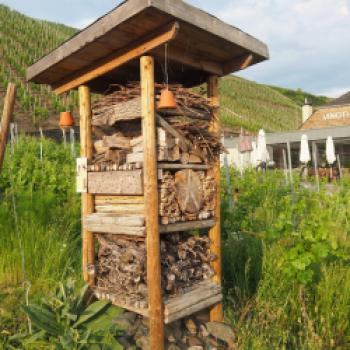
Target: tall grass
{"type": "Point", "coordinates": [39, 227]}
{"type": "Point", "coordinates": [39, 239]}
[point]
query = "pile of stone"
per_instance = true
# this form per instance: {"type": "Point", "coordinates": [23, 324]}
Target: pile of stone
{"type": "Point", "coordinates": [191, 333]}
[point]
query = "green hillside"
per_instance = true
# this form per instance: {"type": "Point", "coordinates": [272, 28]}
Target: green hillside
{"type": "Point", "coordinates": [299, 96]}
{"type": "Point", "coordinates": [23, 40]}
{"type": "Point", "coordinates": [253, 106]}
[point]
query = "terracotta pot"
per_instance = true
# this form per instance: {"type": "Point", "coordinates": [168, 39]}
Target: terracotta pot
{"type": "Point", "coordinates": [66, 120]}
{"type": "Point", "coordinates": [167, 100]}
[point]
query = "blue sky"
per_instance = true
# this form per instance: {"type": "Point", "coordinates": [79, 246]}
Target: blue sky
{"type": "Point", "coordinates": [309, 40]}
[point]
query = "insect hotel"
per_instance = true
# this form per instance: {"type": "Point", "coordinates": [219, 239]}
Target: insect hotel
{"type": "Point", "coordinates": [149, 170]}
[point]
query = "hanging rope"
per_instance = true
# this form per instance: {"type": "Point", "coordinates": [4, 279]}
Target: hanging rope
{"type": "Point", "coordinates": [166, 74]}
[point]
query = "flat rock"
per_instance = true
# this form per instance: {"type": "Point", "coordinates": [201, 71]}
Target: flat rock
{"type": "Point", "coordinates": [194, 341]}
{"type": "Point", "coordinates": [202, 316]}
{"type": "Point", "coordinates": [222, 332]}
{"type": "Point", "coordinates": [143, 343]}
{"type": "Point", "coordinates": [131, 316]}
{"type": "Point", "coordinates": [124, 342]}
{"type": "Point", "coordinates": [173, 347]}
{"type": "Point", "coordinates": [123, 322]}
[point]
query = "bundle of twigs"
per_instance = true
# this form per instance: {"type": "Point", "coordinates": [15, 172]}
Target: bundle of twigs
{"type": "Point", "coordinates": [185, 261]}
{"type": "Point", "coordinates": [198, 132]}
{"type": "Point", "coordinates": [125, 101]}
{"type": "Point", "coordinates": [121, 266]}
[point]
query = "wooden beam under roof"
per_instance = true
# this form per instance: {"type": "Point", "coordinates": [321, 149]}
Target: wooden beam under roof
{"type": "Point", "coordinates": [156, 39]}
{"type": "Point", "coordinates": [194, 61]}
{"type": "Point", "coordinates": [239, 63]}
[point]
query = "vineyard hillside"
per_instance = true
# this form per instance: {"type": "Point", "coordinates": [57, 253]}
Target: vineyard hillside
{"type": "Point", "coordinates": [23, 40]}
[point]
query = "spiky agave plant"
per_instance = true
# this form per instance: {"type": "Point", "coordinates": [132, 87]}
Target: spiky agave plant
{"type": "Point", "coordinates": [65, 321]}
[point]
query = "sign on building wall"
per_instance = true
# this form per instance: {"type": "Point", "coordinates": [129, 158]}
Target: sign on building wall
{"type": "Point", "coordinates": [328, 117]}
{"type": "Point", "coordinates": [337, 115]}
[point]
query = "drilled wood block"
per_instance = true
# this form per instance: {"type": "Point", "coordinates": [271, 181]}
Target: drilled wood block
{"type": "Point", "coordinates": [116, 182]}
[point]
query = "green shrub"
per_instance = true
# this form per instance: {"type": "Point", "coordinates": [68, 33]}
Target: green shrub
{"type": "Point", "coordinates": [66, 321]}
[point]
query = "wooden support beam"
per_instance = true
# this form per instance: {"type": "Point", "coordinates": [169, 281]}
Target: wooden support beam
{"type": "Point", "coordinates": [87, 199]}
{"type": "Point", "coordinates": [197, 62]}
{"type": "Point", "coordinates": [184, 144]}
{"type": "Point", "coordinates": [183, 166]}
{"type": "Point", "coordinates": [132, 51]}
{"type": "Point", "coordinates": [156, 315]}
{"type": "Point", "coordinates": [186, 226]}
{"type": "Point", "coordinates": [9, 104]}
{"type": "Point", "coordinates": [239, 63]}
{"type": "Point", "coordinates": [214, 233]}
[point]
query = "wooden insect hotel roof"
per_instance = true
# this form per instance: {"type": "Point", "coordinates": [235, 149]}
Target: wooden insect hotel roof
{"type": "Point", "coordinates": [107, 51]}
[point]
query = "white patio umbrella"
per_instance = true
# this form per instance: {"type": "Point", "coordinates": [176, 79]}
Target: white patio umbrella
{"type": "Point", "coordinates": [262, 153]}
{"type": "Point", "coordinates": [253, 155]}
{"type": "Point", "coordinates": [305, 156]}
{"type": "Point", "coordinates": [330, 151]}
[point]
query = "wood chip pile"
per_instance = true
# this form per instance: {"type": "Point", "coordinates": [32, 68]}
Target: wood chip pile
{"type": "Point", "coordinates": [121, 267]}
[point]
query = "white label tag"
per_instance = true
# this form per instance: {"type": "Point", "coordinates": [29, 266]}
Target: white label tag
{"type": "Point", "coordinates": [82, 175]}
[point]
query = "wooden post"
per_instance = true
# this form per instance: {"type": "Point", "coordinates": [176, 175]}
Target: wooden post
{"type": "Point", "coordinates": [9, 104]}
{"type": "Point", "coordinates": [87, 200]}
{"type": "Point", "coordinates": [155, 303]}
{"type": "Point", "coordinates": [315, 157]}
{"type": "Point", "coordinates": [214, 233]}
{"type": "Point", "coordinates": [285, 167]}
{"type": "Point", "coordinates": [289, 153]}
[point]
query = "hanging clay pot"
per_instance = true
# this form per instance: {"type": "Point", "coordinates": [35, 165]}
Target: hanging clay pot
{"type": "Point", "coordinates": [167, 100]}
{"type": "Point", "coordinates": [66, 120]}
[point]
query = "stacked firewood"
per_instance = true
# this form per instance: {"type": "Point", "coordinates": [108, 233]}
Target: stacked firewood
{"type": "Point", "coordinates": [186, 195]}
{"type": "Point", "coordinates": [121, 267]}
{"type": "Point", "coordinates": [185, 261]}
{"type": "Point", "coordinates": [183, 134]}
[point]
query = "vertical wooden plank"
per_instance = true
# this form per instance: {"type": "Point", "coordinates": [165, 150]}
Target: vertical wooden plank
{"type": "Point", "coordinates": [155, 304]}
{"type": "Point", "coordinates": [216, 312]}
{"type": "Point", "coordinates": [289, 154]}
{"type": "Point", "coordinates": [315, 160]}
{"type": "Point", "coordinates": [9, 104]}
{"type": "Point", "coordinates": [87, 200]}
{"type": "Point", "coordinates": [285, 166]}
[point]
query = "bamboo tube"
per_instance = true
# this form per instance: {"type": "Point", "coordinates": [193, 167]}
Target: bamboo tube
{"type": "Point", "coordinates": [214, 232]}
{"type": "Point", "coordinates": [9, 104]}
{"type": "Point", "coordinates": [156, 315]}
{"type": "Point", "coordinates": [87, 200]}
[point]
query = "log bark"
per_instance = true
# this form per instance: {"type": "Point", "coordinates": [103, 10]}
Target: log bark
{"type": "Point", "coordinates": [216, 313]}
{"type": "Point", "coordinates": [156, 316]}
{"type": "Point", "coordinates": [87, 199]}
{"type": "Point", "coordinates": [9, 104]}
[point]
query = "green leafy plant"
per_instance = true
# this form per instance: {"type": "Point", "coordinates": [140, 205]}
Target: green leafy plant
{"type": "Point", "coordinates": [64, 321]}
{"type": "Point", "coordinates": [312, 227]}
